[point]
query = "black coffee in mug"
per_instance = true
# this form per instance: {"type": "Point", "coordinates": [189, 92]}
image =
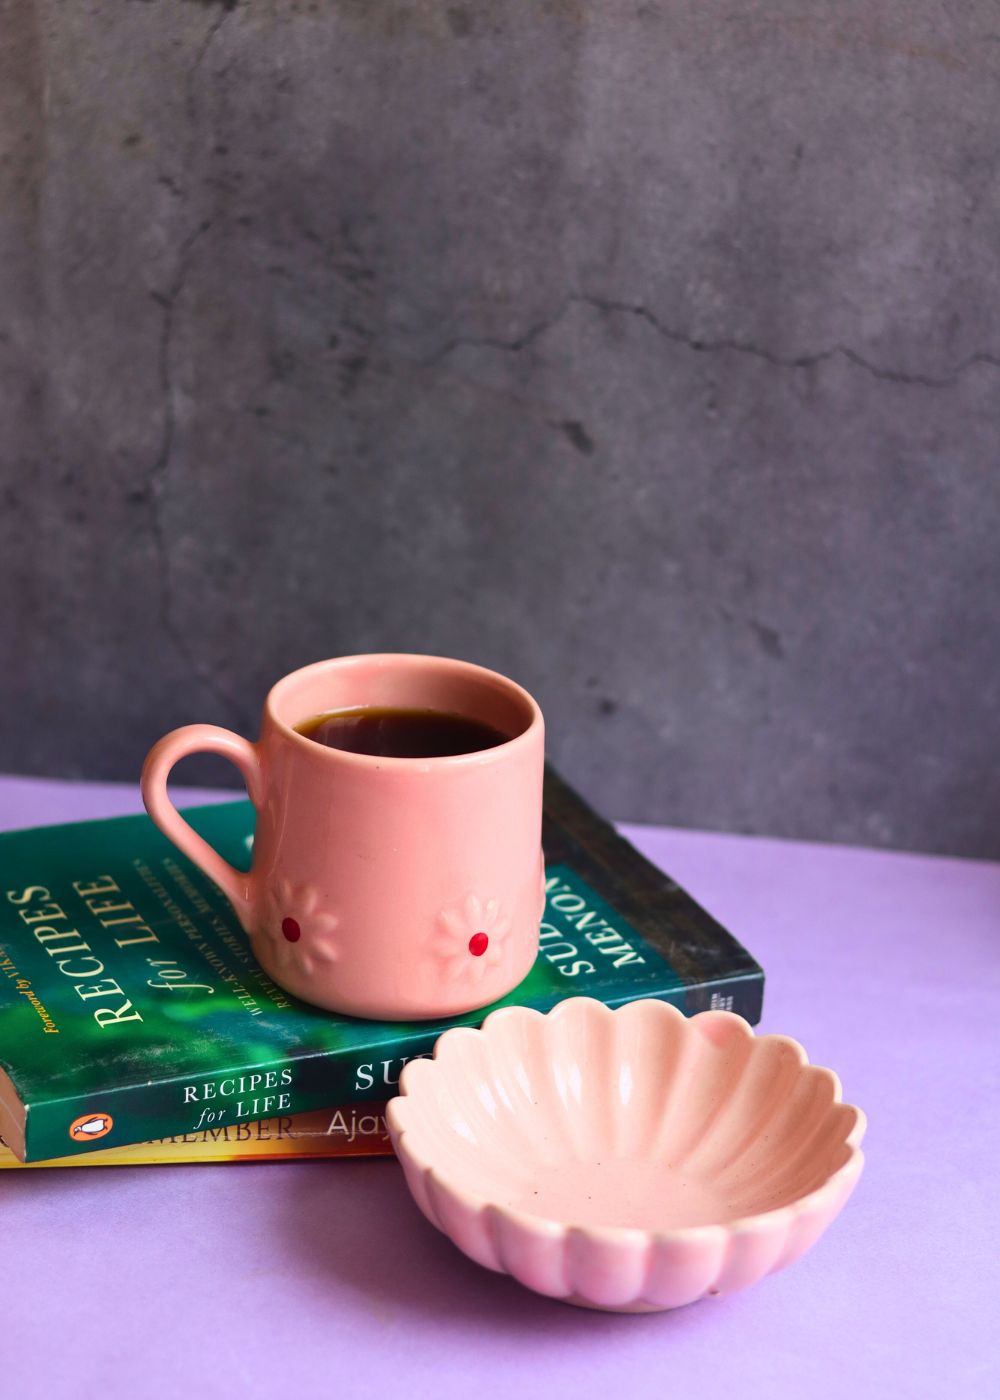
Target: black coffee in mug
{"type": "Point", "coordinates": [388, 732]}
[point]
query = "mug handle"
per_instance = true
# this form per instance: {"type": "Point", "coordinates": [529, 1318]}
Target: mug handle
{"type": "Point", "coordinates": [200, 738]}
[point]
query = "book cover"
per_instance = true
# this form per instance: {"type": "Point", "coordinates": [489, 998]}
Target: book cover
{"type": "Point", "coordinates": [132, 1009]}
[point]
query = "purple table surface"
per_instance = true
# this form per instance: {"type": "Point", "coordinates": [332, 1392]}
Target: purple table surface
{"type": "Point", "coordinates": [321, 1278]}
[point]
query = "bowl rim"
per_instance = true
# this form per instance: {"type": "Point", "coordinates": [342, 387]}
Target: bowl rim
{"type": "Point", "coordinates": [757, 1222]}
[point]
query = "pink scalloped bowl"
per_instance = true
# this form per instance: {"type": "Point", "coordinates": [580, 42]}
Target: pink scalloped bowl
{"type": "Point", "coordinates": [629, 1160]}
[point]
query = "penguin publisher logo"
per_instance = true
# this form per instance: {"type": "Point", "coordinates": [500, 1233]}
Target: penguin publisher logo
{"type": "Point", "coordinates": [91, 1126]}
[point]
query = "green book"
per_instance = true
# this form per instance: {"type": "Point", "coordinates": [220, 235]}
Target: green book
{"type": "Point", "coordinates": [132, 1008]}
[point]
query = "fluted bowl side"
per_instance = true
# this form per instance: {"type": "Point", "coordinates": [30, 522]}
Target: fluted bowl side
{"type": "Point", "coordinates": [630, 1160]}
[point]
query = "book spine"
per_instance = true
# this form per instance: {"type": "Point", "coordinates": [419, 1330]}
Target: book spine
{"type": "Point", "coordinates": [350, 1130]}
{"type": "Point", "coordinates": [742, 993]}
{"type": "Point", "coordinates": [176, 1107]}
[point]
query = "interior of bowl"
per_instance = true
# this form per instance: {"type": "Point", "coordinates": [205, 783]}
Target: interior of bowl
{"type": "Point", "coordinates": [637, 1117]}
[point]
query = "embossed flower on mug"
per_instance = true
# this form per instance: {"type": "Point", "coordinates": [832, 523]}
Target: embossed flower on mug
{"type": "Point", "coordinates": [296, 928]}
{"type": "Point", "coordinates": [470, 937]}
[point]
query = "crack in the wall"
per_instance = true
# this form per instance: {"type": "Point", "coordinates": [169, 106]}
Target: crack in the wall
{"type": "Point", "coordinates": [713, 347]}
{"type": "Point", "coordinates": [210, 36]}
{"type": "Point", "coordinates": [486, 342]}
{"type": "Point", "coordinates": [793, 362]}
{"type": "Point", "coordinates": [156, 479]}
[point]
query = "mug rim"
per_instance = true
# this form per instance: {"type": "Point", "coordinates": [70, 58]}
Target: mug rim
{"type": "Point", "coordinates": [527, 735]}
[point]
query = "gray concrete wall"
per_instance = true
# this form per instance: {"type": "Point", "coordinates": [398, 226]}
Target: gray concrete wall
{"type": "Point", "coordinates": [646, 351]}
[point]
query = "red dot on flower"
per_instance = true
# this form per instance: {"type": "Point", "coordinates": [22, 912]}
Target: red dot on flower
{"type": "Point", "coordinates": [478, 944]}
{"type": "Point", "coordinates": [290, 928]}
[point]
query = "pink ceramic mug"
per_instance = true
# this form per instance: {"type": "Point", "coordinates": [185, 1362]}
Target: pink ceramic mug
{"type": "Point", "coordinates": [395, 888]}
